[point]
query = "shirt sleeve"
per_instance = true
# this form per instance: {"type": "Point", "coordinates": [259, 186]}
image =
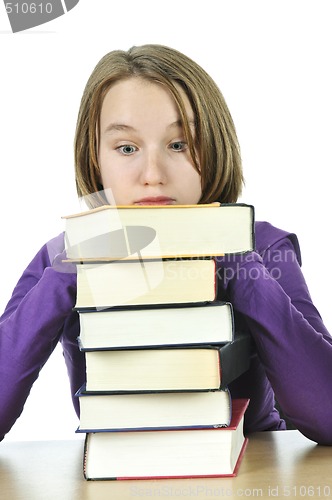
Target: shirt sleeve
{"type": "Point", "coordinates": [292, 342]}
{"type": "Point", "coordinates": [30, 328]}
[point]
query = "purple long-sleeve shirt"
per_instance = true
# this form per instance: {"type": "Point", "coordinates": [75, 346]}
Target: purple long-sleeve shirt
{"type": "Point", "coordinates": [293, 362]}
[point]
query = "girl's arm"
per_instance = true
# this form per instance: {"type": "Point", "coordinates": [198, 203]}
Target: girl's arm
{"type": "Point", "coordinates": [29, 330]}
{"type": "Point", "coordinates": [293, 344]}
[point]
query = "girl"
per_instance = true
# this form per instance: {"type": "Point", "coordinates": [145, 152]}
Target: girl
{"type": "Point", "coordinates": [153, 128]}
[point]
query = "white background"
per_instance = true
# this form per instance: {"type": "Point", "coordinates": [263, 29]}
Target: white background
{"type": "Point", "coordinates": [272, 61]}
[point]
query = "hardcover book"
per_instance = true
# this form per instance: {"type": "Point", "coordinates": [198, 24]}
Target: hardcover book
{"type": "Point", "coordinates": [180, 368]}
{"type": "Point", "coordinates": [167, 454]}
{"type": "Point", "coordinates": [212, 323]}
{"type": "Point", "coordinates": [124, 282]}
{"type": "Point", "coordinates": [117, 232]}
{"type": "Point", "coordinates": [154, 410]}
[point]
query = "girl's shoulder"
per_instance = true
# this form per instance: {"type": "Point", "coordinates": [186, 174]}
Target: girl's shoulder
{"type": "Point", "coordinates": [54, 246]}
{"type": "Point", "coordinates": [267, 236]}
{"type": "Point", "coordinates": [46, 254]}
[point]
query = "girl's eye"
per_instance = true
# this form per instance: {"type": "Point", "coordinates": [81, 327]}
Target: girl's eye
{"type": "Point", "coordinates": [179, 146]}
{"type": "Point", "coordinates": [127, 149]}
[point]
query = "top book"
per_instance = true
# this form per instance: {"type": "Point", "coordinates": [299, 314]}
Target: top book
{"type": "Point", "coordinates": [150, 232]}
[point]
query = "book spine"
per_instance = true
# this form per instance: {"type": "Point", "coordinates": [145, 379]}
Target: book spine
{"type": "Point", "coordinates": [235, 358]}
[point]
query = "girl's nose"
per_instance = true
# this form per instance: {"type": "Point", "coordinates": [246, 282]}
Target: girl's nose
{"type": "Point", "coordinates": [153, 169]}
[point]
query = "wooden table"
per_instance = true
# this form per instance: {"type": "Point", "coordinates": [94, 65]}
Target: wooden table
{"type": "Point", "coordinates": [278, 465]}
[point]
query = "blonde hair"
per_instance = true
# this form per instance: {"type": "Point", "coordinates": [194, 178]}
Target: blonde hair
{"type": "Point", "coordinates": [215, 142]}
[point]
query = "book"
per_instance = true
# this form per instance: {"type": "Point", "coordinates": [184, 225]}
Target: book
{"type": "Point", "coordinates": [114, 412]}
{"type": "Point", "coordinates": [167, 454]}
{"type": "Point", "coordinates": [142, 326]}
{"type": "Point", "coordinates": [168, 369]}
{"type": "Point", "coordinates": [128, 282]}
{"type": "Point", "coordinates": [116, 232]}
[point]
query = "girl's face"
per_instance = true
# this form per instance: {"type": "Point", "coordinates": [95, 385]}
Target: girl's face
{"type": "Point", "coordinates": [143, 156]}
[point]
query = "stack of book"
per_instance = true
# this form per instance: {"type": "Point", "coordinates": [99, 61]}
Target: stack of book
{"type": "Point", "coordinates": [160, 350]}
